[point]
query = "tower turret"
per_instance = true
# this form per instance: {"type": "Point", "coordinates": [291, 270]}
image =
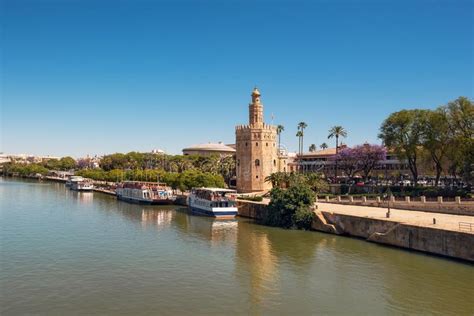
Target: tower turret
{"type": "Point", "coordinates": [256, 109]}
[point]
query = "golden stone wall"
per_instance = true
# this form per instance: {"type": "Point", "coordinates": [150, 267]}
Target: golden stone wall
{"type": "Point", "coordinates": [256, 146]}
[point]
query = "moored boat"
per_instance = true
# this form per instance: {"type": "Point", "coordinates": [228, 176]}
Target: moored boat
{"type": "Point", "coordinates": [71, 179]}
{"type": "Point", "coordinates": [81, 185]}
{"type": "Point", "coordinates": [145, 193]}
{"type": "Point", "coordinates": [214, 202]}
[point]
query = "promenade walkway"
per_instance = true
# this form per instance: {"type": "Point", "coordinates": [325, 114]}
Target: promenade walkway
{"type": "Point", "coordinates": [417, 218]}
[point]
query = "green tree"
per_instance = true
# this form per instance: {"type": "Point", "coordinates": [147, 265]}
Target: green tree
{"type": "Point", "coordinates": [67, 163]}
{"type": "Point", "coordinates": [227, 168]}
{"type": "Point", "coordinates": [301, 127]}
{"type": "Point", "coordinates": [280, 129]}
{"type": "Point", "coordinates": [402, 132]}
{"type": "Point", "coordinates": [460, 116]}
{"type": "Point", "coordinates": [312, 148]}
{"type": "Point", "coordinates": [436, 138]}
{"type": "Point", "coordinates": [323, 146]}
{"type": "Point", "coordinates": [336, 132]}
{"type": "Point", "coordinates": [290, 208]}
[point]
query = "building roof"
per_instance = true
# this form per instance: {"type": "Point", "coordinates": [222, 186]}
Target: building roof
{"type": "Point", "coordinates": [218, 147]}
{"type": "Point", "coordinates": [322, 152]}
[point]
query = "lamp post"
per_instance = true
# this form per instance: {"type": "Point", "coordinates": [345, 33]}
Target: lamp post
{"type": "Point", "coordinates": [388, 194]}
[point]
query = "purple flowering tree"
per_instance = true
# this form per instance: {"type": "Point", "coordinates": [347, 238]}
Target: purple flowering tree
{"type": "Point", "coordinates": [348, 161]}
{"type": "Point", "coordinates": [369, 156]}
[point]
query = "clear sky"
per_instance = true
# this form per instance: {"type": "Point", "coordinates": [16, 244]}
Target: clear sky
{"type": "Point", "coordinates": [92, 77]}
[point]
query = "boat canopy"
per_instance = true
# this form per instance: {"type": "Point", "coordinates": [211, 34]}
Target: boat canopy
{"type": "Point", "coordinates": [216, 190]}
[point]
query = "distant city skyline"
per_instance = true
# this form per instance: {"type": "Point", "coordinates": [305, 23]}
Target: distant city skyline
{"type": "Point", "coordinates": [98, 77]}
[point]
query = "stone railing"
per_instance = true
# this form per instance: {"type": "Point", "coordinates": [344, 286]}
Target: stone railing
{"type": "Point", "coordinates": [456, 206]}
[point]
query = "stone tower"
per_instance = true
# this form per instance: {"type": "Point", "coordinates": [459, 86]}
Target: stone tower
{"type": "Point", "coordinates": [256, 150]}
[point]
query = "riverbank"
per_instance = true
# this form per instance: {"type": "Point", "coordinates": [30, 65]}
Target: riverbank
{"type": "Point", "coordinates": [448, 235]}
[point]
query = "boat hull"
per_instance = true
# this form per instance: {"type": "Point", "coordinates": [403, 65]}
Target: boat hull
{"type": "Point", "coordinates": [144, 202]}
{"type": "Point", "coordinates": [224, 213]}
{"type": "Point", "coordinates": [82, 189]}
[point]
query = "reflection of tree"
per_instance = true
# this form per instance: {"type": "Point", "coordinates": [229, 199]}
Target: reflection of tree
{"type": "Point", "coordinates": [296, 246]}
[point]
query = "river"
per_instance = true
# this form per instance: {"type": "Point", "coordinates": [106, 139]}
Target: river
{"type": "Point", "coordinates": [65, 252]}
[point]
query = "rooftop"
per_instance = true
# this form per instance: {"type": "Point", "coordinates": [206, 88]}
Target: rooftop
{"type": "Point", "coordinates": [322, 152]}
{"type": "Point", "coordinates": [218, 147]}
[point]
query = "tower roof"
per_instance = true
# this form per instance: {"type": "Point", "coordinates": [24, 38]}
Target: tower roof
{"type": "Point", "coordinates": [255, 92]}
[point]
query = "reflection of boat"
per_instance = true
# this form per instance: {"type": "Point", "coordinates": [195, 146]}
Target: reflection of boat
{"type": "Point", "coordinates": [81, 185]}
{"type": "Point", "coordinates": [219, 203]}
{"type": "Point", "coordinates": [216, 231]}
{"type": "Point", "coordinates": [145, 193]}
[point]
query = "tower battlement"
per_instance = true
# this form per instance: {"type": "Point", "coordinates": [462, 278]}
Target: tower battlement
{"type": "Point", "coordinates": [266, 127]}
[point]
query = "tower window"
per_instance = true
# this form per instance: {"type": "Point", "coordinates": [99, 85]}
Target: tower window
{"type": "Point", "coordinates": [267, 144]}
{"type": "Point", "coordinates": [245, 144]}
{"type": "Point", "coordinates": [257, 162]}
{"type": "Point", "coordinates": [256, 144]}
{"type": "Point", "coordinates": [274, 162]}
{"type": "Point", "coordinates": [256, 177]}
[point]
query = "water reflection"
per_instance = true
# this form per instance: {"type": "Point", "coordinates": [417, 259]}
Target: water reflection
{"type": "Point", "coordinates": [82, 197]}
{"type": "Point", "coordinates": [256, 257]}
{"type": "Point", "coordinates": [214, 231]}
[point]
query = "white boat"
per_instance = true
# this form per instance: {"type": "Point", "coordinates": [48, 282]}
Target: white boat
{"type": "Point", "coordinates": [145, 193]}
{"type": "Point", "coordinates": [81, 185]}
{"type": "Point", "coordinates": [70, 180]}
{"type": "Point", "coordinates": [214, 202]}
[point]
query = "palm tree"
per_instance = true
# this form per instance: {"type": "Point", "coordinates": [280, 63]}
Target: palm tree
{"type": "Point", "coordinates": [280, 129]}
{"type": "Point", "coordinates": [336, 132]}
{"type": "Point", "coordinates": [312, 148]}
{"type": "Point", "coordinates": [323, 146]}
{"type": "Point", "coordinates": [301, 127]}
{"type": "Point", "coordinates": [299, 134]}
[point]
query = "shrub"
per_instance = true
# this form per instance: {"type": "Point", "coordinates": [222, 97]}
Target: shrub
{"type": "Point", "coordinates": [290, 208]}
{"type": "Point", "coordinates": [251, 198]}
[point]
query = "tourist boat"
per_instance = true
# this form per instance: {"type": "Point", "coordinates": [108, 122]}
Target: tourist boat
{"type": "Point", "coordinates": [145, 193]}
{"type": "Point", "coordinates": [71, 179]}
{"type": "Point", "coordinates": [81, 185]}
{"type": "Point", "coordinates": [214, 202]}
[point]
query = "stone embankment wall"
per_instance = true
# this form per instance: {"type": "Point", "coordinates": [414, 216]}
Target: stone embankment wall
{"type": "Point", "coordinates": [255, 210]}
{"type": "Point", "coordinates": [437, 241]}
{"type": "Point", "coordinates": [459, 245]}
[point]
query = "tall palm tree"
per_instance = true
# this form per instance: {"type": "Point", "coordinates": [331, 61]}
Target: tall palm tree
{"type": "Point", "coordinates": [301, 127]}
{"type": "Point", "coordinates": [323, 146]}
{"type": "Point", "coordinates": [280, 129]}
{"type": "Point", "coordinates": [299, 134]}
{"type": "Point", "coordinates": [336, 132]}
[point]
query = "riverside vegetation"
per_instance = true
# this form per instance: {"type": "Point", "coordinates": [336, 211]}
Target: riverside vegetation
{"type": "Point", "coordinates": [179, 172]}
{"type": "Point", "coordinates": [292, 198]}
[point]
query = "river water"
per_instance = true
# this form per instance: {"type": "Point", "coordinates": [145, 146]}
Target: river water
{"type": "Point", "coordinates": [65, 252]}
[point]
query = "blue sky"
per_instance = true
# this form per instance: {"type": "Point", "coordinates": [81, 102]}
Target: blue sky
{"type": "Point", "coordinates": [92, 77]}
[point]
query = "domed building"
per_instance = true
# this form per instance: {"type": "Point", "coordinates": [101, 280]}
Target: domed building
{"type": "Point", "coordinates": [210, 149]}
